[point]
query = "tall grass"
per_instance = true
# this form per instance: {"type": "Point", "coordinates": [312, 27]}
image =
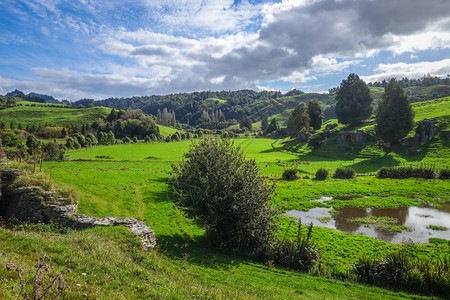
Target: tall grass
{"type": "Point", "coordinates": [423, 171]}
{"type": "Point", "coordinates": [400, 270]}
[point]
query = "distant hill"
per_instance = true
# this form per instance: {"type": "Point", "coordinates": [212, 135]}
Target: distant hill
{"type": "Point", "coordinates": [32, 97]}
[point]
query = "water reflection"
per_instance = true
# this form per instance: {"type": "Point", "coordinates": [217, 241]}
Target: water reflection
{"type": "Point", "coordinates": [416, 218]}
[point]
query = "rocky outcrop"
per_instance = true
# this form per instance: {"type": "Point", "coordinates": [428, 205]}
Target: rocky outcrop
{"type": "Point", "coordinates": [139, 228]}
{"type": "Point", "coordinates": [357, 139]}
{"type": "Point", "coordinates": [446, 134]}
{"type": "Point", "coordinates": [33, 204]}
{"type": "Point", "coordinates": [327, 131]}
{"type": "Point", "coordinates": [426, 130]}
{"type": "Point", "coordinates": [279, 134]}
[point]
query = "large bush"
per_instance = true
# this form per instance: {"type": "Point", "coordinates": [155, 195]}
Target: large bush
{"type": "Point", "coordinates": [426, 172]}
{"type": "Point", "coordinates": [353, 101]}
{"type": "Point", "coordinates": [290, 174]}
{"type": "Point", "coordinates": [216, 184]}
{"type": "Point", "coordinates": [344, 173]}
{"type": "Point", "coordinates": [395, 117]}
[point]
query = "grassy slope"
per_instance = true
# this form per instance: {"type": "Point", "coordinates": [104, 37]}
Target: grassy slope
{"type": "Point", "coordinates": [134, 184]}
{"type": "Point", "coordinates": [60, 116]}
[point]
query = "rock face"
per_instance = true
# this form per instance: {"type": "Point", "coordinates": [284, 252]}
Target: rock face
{"type": "Point", "coordinates": [425, 130]}
{"type": "Point", "coordinates": [32, 204]}
{"type": "Point", "coordinates": [139, 228]}
{"type": "Point", "coordinates": [357, 139]}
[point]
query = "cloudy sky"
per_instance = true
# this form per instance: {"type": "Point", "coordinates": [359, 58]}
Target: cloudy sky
{"type": "Point", "coordinates": [119, 48]}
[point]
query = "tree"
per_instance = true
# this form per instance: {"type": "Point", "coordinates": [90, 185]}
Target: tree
{"type": "Point", "coordinates": [273, 126]}
{"type": "Point", "coordinates": [315, 112]}
{"type": "Point", "coordinates": [264, 123]}
{"type": "Point", "coordinates": [246, 122]}
{"type": "Point", "coordinates": [298, 120]}
{"type": "Point", "coordinates": [353, 101]}
{"type": "Point", "coordinates": [216, 184]}
{"type": "Point", "coordinates": [395, 116]}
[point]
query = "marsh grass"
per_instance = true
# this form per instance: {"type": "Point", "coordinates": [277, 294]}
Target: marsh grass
{"type": "Point", "coordinates": [391, 224]}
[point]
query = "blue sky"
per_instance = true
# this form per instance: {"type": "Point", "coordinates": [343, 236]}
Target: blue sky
{"type": "Point", "coordinates": [119, 48]}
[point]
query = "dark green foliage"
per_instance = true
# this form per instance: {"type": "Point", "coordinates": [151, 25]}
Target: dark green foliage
{"type": "Point", "coordinates": [72, 143]}
{"type": "Point", "coordinates": [246, 123]}
{"type": "Point", "coordinates": [290, 174]}
{"type": "Point", "coordinates": [81, 139]}
{"type": "Point", "coordinates": [344, 173]}
{"type": "Point", "coordinates": [298, 254]}
{"type": "Point", "coordinates": [353, 101]}
{"type": "Point", "coordinates": [395, 117]}
{"type": "Point", "coordinates": [135, 140]}
{"type": "Point", "coordinates": [402, 270]}
{"type": "Point", "coordinates": [264, 124]}
{"type": "Point", "coordinates": [316, 140]}
{"type": "Point", "coordinates": [273, 126]}
{"type": "Point", "coordinates": [53, 151]}
{"type": "Point", "coordinates": [91, 140]}
{"type": "Point", "coordinates": [315, 112]}
{"type": "Point", "coordinates": [7, 102]}
{"type": "Point", "coordinates": [444, 174]}
{"type": "Point", "coordinates": [34, 146]}
{"type": "Point", "coordinates": [322, 174]}
{"type": "Point", "coordinates": [126, 140]}
{"type": "Point", "coordinates": [216, 184]}
{"type": "Point", "coordinates": [298, 120]}
{"type": "Point", "coordinates": [426, 172]}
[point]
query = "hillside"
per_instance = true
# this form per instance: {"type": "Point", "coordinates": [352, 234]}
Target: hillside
{"type": "Point", "coordinates": [29, 113]}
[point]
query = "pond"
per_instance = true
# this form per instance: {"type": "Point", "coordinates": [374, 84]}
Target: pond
{"type": "Point", "coordinates": [417, 219]}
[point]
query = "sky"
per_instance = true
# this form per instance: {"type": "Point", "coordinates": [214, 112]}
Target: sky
{"type": "Point", "coordinates": [121, 48]}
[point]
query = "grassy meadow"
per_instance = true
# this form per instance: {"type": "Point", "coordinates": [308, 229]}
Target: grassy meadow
{"type": "Point", "coordinates": [132, 181]}
{"type": "Point", "coordinates": [56, 114]}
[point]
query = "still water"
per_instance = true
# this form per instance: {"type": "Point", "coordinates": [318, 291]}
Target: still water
{"type": "Point", "coordinates": [416, 218]}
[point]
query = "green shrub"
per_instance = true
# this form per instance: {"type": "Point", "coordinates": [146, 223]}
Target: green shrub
{"type": "Point", "coordinates": [316, 141]}
{"type": "Point", "coordinates": [290, 174]}
{"type": "Point", "coordinates": [425, 172]}
{"type": "Point", "coordinates": [322, 174]}
{"type": "Point", "coordinates": [224, 191]}
{"type": "Point", "coordinates": [344, 173]}
{"type": "Point", "coordinates": [299, 254]}
{"type": "Point", "coordinates": [401, 270]}
{"type": "Point", "coordinates": [444, 174]}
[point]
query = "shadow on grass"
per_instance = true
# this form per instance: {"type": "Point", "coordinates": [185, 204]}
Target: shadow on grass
{"type": "Point", "coordinates": [197, 251]}
{"type": "Point", "coordinates": [374, 164]}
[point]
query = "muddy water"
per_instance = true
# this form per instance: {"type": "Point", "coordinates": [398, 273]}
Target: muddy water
{"type": "Point", "coordinates": [416, 218]}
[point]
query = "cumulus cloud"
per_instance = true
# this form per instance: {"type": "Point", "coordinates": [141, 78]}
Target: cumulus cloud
{"type": "Point", "coordinates": [189, 45]}
{"type": "Point", "coordinates": [414, 70]}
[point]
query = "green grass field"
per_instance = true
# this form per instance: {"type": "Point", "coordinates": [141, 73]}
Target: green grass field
{"type": "Point", "coordinates": [133, 182]}
{"type": "Point", "coordinates": [59, 116]}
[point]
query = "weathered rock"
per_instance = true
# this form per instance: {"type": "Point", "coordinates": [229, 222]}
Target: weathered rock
{"type": "Point", "coordinates": [279, 134]}
{"type": "Point", "coordinates": [139, 228]}
{"type": "Point", "coordinates": [327, 131]}
{"type": "Point", "coordinates": [357, 139]}
{"type": "Point", "coordinates": [426, 130]}
{"type": "Point", "coordinates": [446, 134]}
{"type": "Point", "coordinates": [33, 204]}
{"type": "Point", "coordinates": [342, 138]}
{"type": "Point", "coordinates": [410, 141]}
{"type": "Point", "coordinates": [303, 136]}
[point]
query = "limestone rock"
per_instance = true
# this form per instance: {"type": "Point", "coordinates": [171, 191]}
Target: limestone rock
{"type": "Point", "coordinates": [426, 130]}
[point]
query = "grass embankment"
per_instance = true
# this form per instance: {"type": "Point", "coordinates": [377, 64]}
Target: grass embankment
{"type": "Point", "coordinates": [57, 115]}
{"type": "Point", "coordinates": [107, 263]}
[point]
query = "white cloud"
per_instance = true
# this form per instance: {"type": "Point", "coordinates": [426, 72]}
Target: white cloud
{"type": "Point", "coordinates": [415, 70]}
{"type": "Point", "coordinates": [216, 16]}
